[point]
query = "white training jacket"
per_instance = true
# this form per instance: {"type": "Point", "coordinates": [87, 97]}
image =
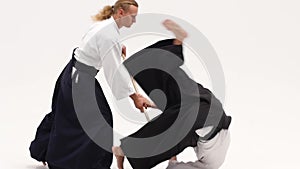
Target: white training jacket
{"type": "Point", "coordinates": [100, 47]}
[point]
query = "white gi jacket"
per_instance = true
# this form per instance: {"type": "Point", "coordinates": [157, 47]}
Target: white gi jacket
{"type": "Point", "coordinates": [100, 47]}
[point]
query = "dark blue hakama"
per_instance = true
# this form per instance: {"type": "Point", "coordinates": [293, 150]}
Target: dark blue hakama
{"type": "Point", "coordinates": [60, 139]}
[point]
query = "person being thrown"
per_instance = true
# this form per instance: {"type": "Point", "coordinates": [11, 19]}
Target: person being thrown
{"type": "Point", "coordinates": [209, 133]}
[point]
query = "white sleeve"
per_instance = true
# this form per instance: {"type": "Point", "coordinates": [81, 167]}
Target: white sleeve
{"type": "Point", "coordinates": [115, 73]}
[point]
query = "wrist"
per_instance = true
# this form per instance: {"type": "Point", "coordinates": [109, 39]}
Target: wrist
{"type": "Point", "coordinates": [133, 96]}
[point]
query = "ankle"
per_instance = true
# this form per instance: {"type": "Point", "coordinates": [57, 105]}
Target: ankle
{"type": "Point", "coordinates": [177, 42]}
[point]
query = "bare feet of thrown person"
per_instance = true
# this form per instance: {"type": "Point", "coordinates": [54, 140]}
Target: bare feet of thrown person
{"type": "Point", "coordinates": [174, 158]}
{"type": "Point", "coordinates": [117, 151]}
{"type": "Point", "coordinates": [179, 33]}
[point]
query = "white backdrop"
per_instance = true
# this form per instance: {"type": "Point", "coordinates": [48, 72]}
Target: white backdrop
{"type": "Point", "coordinates": [257, 43]}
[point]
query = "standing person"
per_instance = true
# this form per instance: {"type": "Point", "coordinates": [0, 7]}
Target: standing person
{"type": "Point", "coordinates": [191, 113]}
{"type": "Point", "coordinates": [61, 140]}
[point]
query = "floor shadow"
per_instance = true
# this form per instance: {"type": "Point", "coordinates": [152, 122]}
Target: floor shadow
{"type": "Point", "coordinates": [36, 167]}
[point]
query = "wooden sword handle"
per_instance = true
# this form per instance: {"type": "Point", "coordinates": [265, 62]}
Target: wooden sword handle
{"type": "Point", "coordinates": [136, 89]}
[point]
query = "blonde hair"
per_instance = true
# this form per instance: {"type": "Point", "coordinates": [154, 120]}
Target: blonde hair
{"type": "Point", "coordinates": [108, 10]}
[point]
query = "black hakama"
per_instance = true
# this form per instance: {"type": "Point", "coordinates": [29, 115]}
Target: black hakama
{"type": "Point", "coordinates": [155, 68]}
{"type": "Point", "coordinates": [60, 139]}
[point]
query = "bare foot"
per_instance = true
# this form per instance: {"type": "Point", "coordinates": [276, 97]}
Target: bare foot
{"type": "Point", "coordinates": [120, 161]}
{"type": "Point", "coordinates": [179, 33]}
{"type": "Point", "coordinates": [117, 151]}
{"type": "Point", "coordinates": [174, 158]}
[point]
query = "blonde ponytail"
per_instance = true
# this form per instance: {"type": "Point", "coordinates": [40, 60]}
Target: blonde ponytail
{"type": "Point", "coordinates": [105, 13]}
{"type": "Point", "coordinates": [108, 10]}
